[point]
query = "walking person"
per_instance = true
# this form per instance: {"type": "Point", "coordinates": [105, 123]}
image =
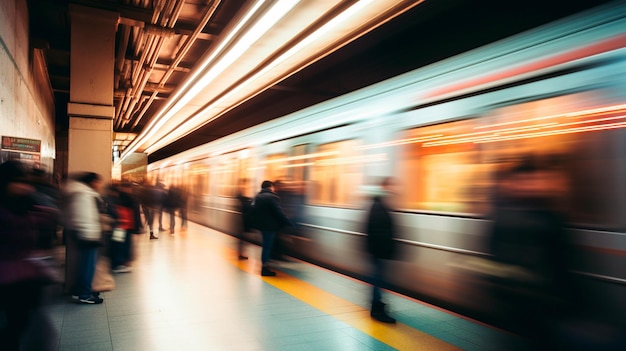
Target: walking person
{"type": "Point", "coordinates": [528, 233]}
{"type": "Point", "coordinates": [82, 225]}
{"type": "Point", "coordinates": [128, 223]}
{"type": "Point", "coordinates": [269, 219]}
{"type": "Point", "coordinates": [21, 280]}
{"type": "Point", "coordinates": [380, 231]}
{"type": "Point", "coordinates": [151, 198]}
{"type": "Point", "coordinates": [176, 200]}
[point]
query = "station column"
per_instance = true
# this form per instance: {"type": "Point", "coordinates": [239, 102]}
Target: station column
{"type": "Point", "coordinates": [91, 108]}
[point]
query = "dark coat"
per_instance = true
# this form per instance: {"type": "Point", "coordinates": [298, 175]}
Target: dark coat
{"type": "Point", "coordinates": [380, 231]}
{"type": "Point", "coordinates": [531, 236]}
{"type": "Point", "coordinates": [18, 233]}
{"type": "Point", "coordinates": [268, 215]}
{"type": "Point", "coordinates": [245, 206]}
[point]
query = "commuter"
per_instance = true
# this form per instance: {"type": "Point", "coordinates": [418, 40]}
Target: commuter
{"type": "Point", "coordinates": [82, 210]}
{"type": "Point", "coordinates": [245, 207]}
{"type": "Point", "coordinates": [528, 236]}
{"type": "Point", "coordinates": [176, 201]}
{"type": "Point", "coordinates": [22, 278]}
{"type": "Point", "coordinates": [46, 195]}
{"type": "Point", "coordinates": [269, 219]}
{"type": "Point", "coordinates": [161, 188]}
{"type": "Point", "coordinates": [380, 230]}
{"type": "Point", "coordinates": [282, 190]}
{"type": "Point", "coordinates": [151, 198]}
{"type": "Point", "coordinates": [128, 223]}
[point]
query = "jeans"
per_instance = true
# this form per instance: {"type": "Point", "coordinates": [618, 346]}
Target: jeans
{"type": "Point", "coordinates": [183, 216]}
{"type": "Point", "coordinates": [268, 242]}
{"type": "Point", "coordinates": [86, 271]}
{"type": "Point", "coordinates": [148, 213]}
{"type": "Point", "coordinates": [120, 251]}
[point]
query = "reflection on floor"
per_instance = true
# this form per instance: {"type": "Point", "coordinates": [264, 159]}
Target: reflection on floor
{"type": "Point", "coordinates": [189, 292]}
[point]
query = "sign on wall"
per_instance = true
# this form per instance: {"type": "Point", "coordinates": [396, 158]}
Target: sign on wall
{"type": "Point", "coordinates": [21, 144]}
{"type": "Point", "coordinates": [23, 149]}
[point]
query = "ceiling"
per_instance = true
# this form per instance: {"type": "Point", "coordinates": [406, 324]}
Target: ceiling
{"type": "Point", "coordinates": [191, 71]}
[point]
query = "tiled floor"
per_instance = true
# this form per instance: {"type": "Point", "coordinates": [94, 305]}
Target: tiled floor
{"type": "Point", "coordinates": [188, 292]}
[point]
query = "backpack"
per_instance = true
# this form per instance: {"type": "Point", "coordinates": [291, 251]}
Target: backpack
{"type": "Point", "coordinates": [248, 213]}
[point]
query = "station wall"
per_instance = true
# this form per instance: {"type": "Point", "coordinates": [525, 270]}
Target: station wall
{"type": "Point", "coordinates": [26, 98]}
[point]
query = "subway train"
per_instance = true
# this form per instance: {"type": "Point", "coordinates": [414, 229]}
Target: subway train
{"type": "Point", "coordinates": [444, 131]}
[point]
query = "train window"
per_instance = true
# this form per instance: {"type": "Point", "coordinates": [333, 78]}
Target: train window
{"type": "Point", "coordinates": [200, 179]}
{"type": "Point", "coordinates": [226, 175]}
{"type": "Point", "coordinates": [570, 138]}
{"type": "Point", "coordinates": [245, 174]}
{"type": "Point", "coordinates": [447, 177]}
{"type": "Point", "coordinates": [275, 167]}
{"type": "Point", "coordinates": [336, 174]}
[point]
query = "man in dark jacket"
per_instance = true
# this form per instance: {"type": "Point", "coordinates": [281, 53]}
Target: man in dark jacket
{"type": "Point", "coordinates": [380, 245]}
{"type": "Point", "coordinates": [269, 218]}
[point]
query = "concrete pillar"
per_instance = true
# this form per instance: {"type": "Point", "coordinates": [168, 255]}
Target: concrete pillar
{"type": "Point", "coordinates": [91, 109]}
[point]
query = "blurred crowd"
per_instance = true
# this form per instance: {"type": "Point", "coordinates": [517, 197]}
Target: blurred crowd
{"type": "Point", "coordinates": [92, 221]}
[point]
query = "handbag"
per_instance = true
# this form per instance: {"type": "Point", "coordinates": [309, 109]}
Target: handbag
{"type": "Point", "coordinates": [119, 235]}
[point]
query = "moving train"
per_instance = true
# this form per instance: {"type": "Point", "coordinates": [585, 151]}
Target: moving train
{"type": "Point", "coordinates": [443, 132]}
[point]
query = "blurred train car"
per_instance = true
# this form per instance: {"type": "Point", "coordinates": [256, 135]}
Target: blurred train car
{"type": "Point", "coordinates": [557, 92]}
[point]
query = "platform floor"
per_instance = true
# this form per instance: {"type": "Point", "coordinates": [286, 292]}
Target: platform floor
{"type": "Point", "coordinates": [189, 292]}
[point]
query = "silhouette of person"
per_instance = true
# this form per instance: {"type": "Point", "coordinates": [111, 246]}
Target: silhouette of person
{"type": "Point", "coordinates": [380, 230]}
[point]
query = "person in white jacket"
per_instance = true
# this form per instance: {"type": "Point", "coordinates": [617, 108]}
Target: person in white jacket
{"type": "Point", "coordinates": [82, 225]}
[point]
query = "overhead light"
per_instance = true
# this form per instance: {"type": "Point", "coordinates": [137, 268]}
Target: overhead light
{"type": "Point", "coordinates": [192, 86]}
{"type": "Point", "coordinates": [322, 31]}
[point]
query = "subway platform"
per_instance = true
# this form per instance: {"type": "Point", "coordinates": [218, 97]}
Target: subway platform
{"type": "Point", "coordinates": [188, 291]}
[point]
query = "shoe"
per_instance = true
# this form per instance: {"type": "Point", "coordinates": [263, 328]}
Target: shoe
{"type": "Point", "coordinates": [171, 231]}
{"type": "Point", "coordinates": [265, 272]}
{"type": "Point", "coordinates": [152, 237]}
{"type": "Point", "coordinates": [378, 313]}
{"type": "Point", "coordinates": [122, 269]}
{"type": "Point", "coordinates": [91, 300]}
{"type": "Point", "coordinates": [242, 257]}
{"type": "Point", "coordinates": [161, 229]}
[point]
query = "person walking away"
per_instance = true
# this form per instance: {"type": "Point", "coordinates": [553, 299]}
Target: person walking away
{"type": "Point", "coordinates": [269, 218]}
{"type": "Point", "coordinates": [528, 233]}
{"type": "Point", "coordinates": [151, 199]}
{"type": "Point", "coordinates": [46, 195]}
{"type": "Point", "coordinates": [21, 278]}
{"type": "Point", "coordinates": [82, 224]}
{"type": "Point", "coordinates": [128, 223]}
{"type": "Point", "coordinates": [173, 202]}
{"type": "Point", "coordinates": [380, 231]}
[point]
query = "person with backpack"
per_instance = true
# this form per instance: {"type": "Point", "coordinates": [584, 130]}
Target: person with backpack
{"type": "Point", "coordinates": [269, 218]}
{"type": "Point", "coordinates": [127, 223]}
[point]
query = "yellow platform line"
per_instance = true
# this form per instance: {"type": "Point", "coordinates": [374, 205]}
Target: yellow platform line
{"type": "Point", "coordinates": [399, 336]}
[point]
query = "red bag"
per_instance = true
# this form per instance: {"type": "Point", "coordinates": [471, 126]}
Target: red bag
{"type": "Point", "coordinates": [125, 218]}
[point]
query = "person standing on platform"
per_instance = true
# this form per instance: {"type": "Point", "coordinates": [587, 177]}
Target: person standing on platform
{"type": "Point", "coordinates": [21, 281]}
{"type": "Point", "coordinates": [245, 207]}
{"type": "Point", "coordinates": [269, 219]}
{"type": "Point", "coordinates": [380, 231]}
{"type": "Point", "coordinates": [82, 225]}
